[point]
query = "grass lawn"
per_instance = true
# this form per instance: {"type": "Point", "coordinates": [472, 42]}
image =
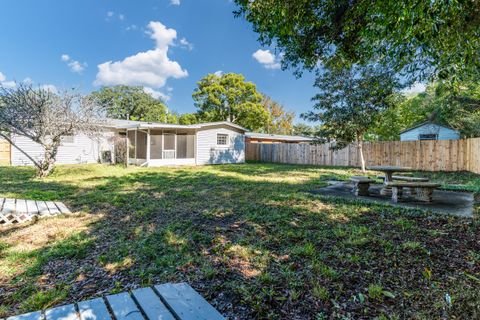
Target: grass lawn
{"type": "Point", "coordinates": [250, 238]}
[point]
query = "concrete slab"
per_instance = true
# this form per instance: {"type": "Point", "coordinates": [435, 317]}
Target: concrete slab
{"type": "Point", "coordinates": [454, 203]}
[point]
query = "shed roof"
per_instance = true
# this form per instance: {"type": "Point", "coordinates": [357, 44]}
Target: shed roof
{"type": "Point", "coordinates": [269, 136]}
{"type": "Point", "coordinates": [425, 123]}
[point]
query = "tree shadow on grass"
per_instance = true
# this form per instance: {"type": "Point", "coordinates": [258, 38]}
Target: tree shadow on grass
{"type": "Point", "coordinates": [254, 248]}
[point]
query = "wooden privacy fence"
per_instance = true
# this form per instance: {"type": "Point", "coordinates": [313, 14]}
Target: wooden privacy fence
{"type": "Point", "coordinates": [4, 151]}
{"type": "Point", "coordinates": [431, 155]}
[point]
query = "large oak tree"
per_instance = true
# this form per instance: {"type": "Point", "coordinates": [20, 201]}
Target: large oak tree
{"type": "Point", "coordinates": [229, 97]}
{"type": "Point", "coordinates": [132, 103]}
{"type": "Point", "coordinates": [421, 39]}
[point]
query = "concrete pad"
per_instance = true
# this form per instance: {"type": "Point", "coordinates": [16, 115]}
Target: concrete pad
{"type": "Point", "coordinates": [454, 203]}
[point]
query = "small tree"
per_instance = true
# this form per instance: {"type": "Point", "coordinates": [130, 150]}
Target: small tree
{"type": "Point", "coordinates": [349, 103]}
{"type": "Point", "coordinates": [45, 117]}
{"type": "Point", "coordinates": [228, 97]}
{"type": "Point", "coordinates": [281, 121]}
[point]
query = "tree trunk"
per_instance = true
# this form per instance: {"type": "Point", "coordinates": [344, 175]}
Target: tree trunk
{"type": "Point", "coordinates": [47, 165]}
{"type": "Point", "coordinates": [360, 149]}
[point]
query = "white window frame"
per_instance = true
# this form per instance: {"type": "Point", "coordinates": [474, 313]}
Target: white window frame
{"type": "Point", "coordinates": [227, 140]}
{"type": "Point", "coordinates": [68, 143]}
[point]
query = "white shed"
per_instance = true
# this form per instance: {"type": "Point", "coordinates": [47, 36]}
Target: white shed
{"type": "Point", "coordinates": [429, 131]}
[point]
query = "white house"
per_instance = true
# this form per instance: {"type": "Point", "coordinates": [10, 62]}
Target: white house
{"type": "Point", "coordinates": [429, 131]}
{"type": "Point", "coordinates": [148, 144]}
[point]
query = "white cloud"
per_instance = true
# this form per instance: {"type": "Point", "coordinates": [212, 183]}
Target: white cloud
{"type": "Point", "coordinates": [27, 80]}
{"type": "Point", "coordinates": [417, 87]}
{"type": "Point", "coordinates": [156, 94]}
{"type": "Point", "coordinates": [74, 65]}
{"type": "Point", "coordinates": [151, 68]}
{"type": "Point", "coordinates": [185, 44]}
{"type": "Point", "coordinates": [175, 2]}
{"type": "Point", "coordinates": [266, 58]}
{"type": "Point", "coordinates": [6, 84]}
{"type": "Point", "coordinates": [49, 87]}
{"type": "Point", "coordinates": [131, 27]}
{"type": "Point", "coordinates": [218, 73]}
{"type": "Point", "coordinates": [121, 17]}
{"type": "Point", "coordinates": [110, 13]}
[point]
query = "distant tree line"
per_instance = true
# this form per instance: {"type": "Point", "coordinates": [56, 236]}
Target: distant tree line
{"type": "Point", "coordinates": [225, 97]}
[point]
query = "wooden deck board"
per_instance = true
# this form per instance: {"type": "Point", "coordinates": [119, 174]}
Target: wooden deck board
{"type": "Point", "coordinates": [123, 307]}
{"type": "Point", "coordinates": [186, 303]}
{"type": "Point", "coordinates": [8, 206]}
{"type": "Point", "coordinates": [63, 208]}
{"type": "Point", "coordinates": [32, 207]}
{"type": "Point", "coordinates": [42, 208]}
{"type": "Point", "coordinates": [94, 309]}
{"type": "Point", "coordinates": [151, 304]}
{"type": "Point", "coordinates": [21, 206]}
{"type": "Point", "coordinates": [52, 207]}
{"type": "Point", "coordinates": [66, 312]}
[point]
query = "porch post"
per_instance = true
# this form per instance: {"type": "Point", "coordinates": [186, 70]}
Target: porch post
{"type": "Point", "coordinates": [136, 131]}
{"type": "Point", "coordinates": [128, 149]}
{"type": "Point", "coordinates": [148, 146]}
{"type": "Point", "coordinates": [175, 143]}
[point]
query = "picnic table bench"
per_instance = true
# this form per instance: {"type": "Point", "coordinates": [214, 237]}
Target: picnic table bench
{"type": "Point", "coordinates": [162, 302]}
{"type": "Point", "coordinates": [422, 190]}
{"type": "Point", "coordinates": [361, 184]}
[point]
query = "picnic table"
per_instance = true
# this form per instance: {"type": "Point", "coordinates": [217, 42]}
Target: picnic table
{"type": "Point", "coordinates": [388, 171]}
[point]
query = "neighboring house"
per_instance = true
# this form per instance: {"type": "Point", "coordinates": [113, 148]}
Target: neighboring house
{"type": "Point", "coordinates": [254, 137]}
{"type": "Point", "coordinates": [429, 131]}
{"type": "Point", "coordinates": [148, 144]}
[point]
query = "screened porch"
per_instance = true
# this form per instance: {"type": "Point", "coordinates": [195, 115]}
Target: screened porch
{"type": "Point", "coordinates": [156, 147]}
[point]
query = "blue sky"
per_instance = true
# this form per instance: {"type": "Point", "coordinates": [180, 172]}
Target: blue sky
{"type": "Point", "coordinates": [164, 45]}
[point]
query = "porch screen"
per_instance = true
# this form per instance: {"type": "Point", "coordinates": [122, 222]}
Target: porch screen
{"type": "Point", "coordinates": [169, 146]}
{"type": "Point", "coordinates": [131, 149]}
{"type": "Point", "coordinates": [155, 144]}
{"type": "Point", "coordinates": [185, 146]}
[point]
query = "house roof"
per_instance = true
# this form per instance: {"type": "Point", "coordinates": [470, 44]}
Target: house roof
{"type": "Point", "coordinates": [130, 124]}
{"type": "Point", "coordinates": [424, 123]}
{"type": "Point", "coordinates": [268, 136]}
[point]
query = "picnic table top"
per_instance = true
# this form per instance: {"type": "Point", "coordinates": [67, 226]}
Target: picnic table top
{"type": "Point", "coordinates": [390, 168]}
{"type": "Point", "coordinates": [162, 302]}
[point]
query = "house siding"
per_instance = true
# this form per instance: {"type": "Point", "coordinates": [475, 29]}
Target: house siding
{"type": "Point", "coordinates": [209, 153]}
{"type": "Point", "coordinates": [443, 133]}
{"type": "Point", "coordinates": [83, 150]}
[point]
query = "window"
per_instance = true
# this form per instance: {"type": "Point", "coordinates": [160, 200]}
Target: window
{"type": "Point", "coordinates": [428, 136]}
{"type": "Point", "coordinates": [222, 139]}
{"type": "Point", "coordinates": [68, 139]}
